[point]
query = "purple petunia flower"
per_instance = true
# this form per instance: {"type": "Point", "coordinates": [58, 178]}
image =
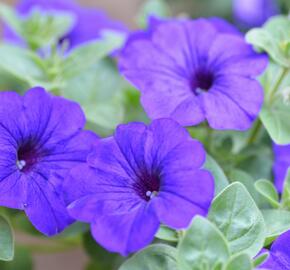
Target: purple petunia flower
{"type": "Point", "coordinates": [254, 13]}
{"type": "Point", "coordinates": [89, 22]}
{"type": "Point", "coordinates": [193, 71]}
{"type": "Point", "coordinates": [137, 179]}
{"type": "Point", "coordinates": [41, 138]}
{"type": "Point", "coordinates": [279, 256]}
{"type": "Point", "coordinates": [281, 164]}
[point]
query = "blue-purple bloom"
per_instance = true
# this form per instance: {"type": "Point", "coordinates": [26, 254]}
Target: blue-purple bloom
{"type": "Point", "coordinates": [88, 26]}
{"type": "Point", "coordinates": [281, 164]}
{"type": "Point", "coordinates": [254, 13]}
{"type": "Point", "coordinates": [135, 180]}
{"type": "Point", "coordinates": [279, 255]}
{"type": "Point", "coordinates": [41, 139]}
{"type": "Point", "coordinates": [193, 71]}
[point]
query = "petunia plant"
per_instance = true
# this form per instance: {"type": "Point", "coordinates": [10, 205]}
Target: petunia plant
{"type": "Point", "coordinates": [164, 147]}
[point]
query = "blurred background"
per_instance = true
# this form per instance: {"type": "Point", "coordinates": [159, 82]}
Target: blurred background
{"type": "Point", "coordinates": [125, 11]}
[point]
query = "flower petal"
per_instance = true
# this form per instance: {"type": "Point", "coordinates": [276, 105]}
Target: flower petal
{"type": "Point", "coordinates": [279, 258]}
{"type": "Point", "coordinates": [224, 112]}
{"type": "Point", "coordinates": [233, 87]}
{"type": "Point", "coordinates": [169, 140]}
{"type": "Point", "coordinates": [53, 118]}
{"type": "Point", "coordinates": [230, 54]}
{"type": "Point", "coordinates": [126, 233]}
{"type": "Point", "coordinates": [281, 165]}
{"type": "Point", "coordinates": [13, 189]}
{"type": "Point", "coordinates": [44, 206]}
{"type": "Point", "coordinates": [189, 196]}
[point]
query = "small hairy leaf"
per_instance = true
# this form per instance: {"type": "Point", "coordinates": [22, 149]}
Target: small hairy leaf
{"type": "Point", "coordinates": [154, 257]}
{"type": "Point", "coordinates": [238, 217]}
{"type": "Point", "coordinates": [203, 244]}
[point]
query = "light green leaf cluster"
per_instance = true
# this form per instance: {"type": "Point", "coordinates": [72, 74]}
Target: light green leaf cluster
{"type": "Point", "coordinates": [274, 39]}
{"type": "Point", "coordinates": [41, 28]}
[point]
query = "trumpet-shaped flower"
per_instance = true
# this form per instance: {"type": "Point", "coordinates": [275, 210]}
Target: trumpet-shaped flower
{"type": "Point", "coordinates": [137, 179]}
{"type": "Point", "coordinates": [194, 71]}
{"type": "Point", "coordinates": [41, 139]}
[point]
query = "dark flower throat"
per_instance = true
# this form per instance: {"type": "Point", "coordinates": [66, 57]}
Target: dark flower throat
{"type": "Point", "coordinates": [147, 185]}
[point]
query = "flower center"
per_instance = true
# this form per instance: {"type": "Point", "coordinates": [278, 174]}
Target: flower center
{"type": "Point", "coordinates": [147, 185]}
{"type": "Point", "coordinates": [27, 157]}
{"type": "Point", "coordinates": [202, 81]}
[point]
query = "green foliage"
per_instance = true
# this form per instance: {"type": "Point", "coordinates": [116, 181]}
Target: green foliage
{"type": "Point", "coordinates": [203, 245]}
{"type": "Point", "coordinates": [268, 191]}
{"type": "Point", "coordinates": [277, 221]}
{"type": "Point", "coordinates": [23, 64]}
{"type": "Point", "coordinates": [167, 234]}
{"type": "Point", "coordinates": [248, 181]}
{"type": "Point", "coordinates": [85, 56]}
{"type": "Point", "coordinates": [154, 257]}
{"type": "Point", "coordinates": [22, 260]}
{"type": "Point", "coordinates": [256, 160]}
{"type": "Point", "coordinates": [275, 112]}
{"type": "Point", "coordinates": [286, 192]}
{"type": "Point", "coordinates": [239, 261]}
{"type": "Point", "coordinates": [6, 240]}
{"type": "Point", "coordinates": [40, 29]}
{"type": "Point", "coordinates": [220, 178]}
{"type": "Point", "coordinates": [99, 91]}
{"type": "Point", "coordinates": [274, 39]}
{"type": "Point", "coordinates": [238, 217]}
{"type": "Point", "coordinates": [261, 259]}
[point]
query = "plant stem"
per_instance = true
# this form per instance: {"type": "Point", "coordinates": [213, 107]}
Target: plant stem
{"type": "Point", "coordinates": [209, 138]}
{"type": "Point", "coordinates": [254, 135]}
{"type": "Point", "coordinates": [277, 84]}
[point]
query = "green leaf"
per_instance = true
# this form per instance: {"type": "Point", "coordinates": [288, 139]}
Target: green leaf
{"type": "Point", "coordinates": [256, 160]}
{"type": "Point", "coordinates": [239, 262]}
{"type": "Point", "coordinates": [99, 91]}
{"type": "Point", "coordinates": [247, 180]}
{"type": "Point", "coordinates": [220, 178]}
{"type": "Point", "coordinates": [261, 259]}
{"type": "Point", "coordinates": [22, 64]}
{"type": "Point", "coordinates": [277, 222]}
{"type": "Point", "coordinates": [10, 17]}
{"type": "Point", "coordinates": [154, 257]}
{"type": "Point", "coordinates": [274, 39]}
{"type": "Point", "coordinates": [268, 191]}
{"type": "Point", "coordinates": [275, 119]}
{"type": "Point", "coordinates": [202, 244]}
{"type": "Point", "coordinates": [107, 114]}
{"type": "Point", "coordinates": [134, 112]}
{"type": "Point", "coordinates": [158, 8]}
{"type": "Point", "coordinates": [238, 217]}
{"type": "Point", "coordinates": [6, 240]}
{"type": "Point", "coordinates": [286, 192]}
{"type": "Point", "coordinates": [40, 28]}
{"type": "Point", "coordinates": [276, 109]}
{"type": "Point", "coordinates": [101, 257]}
{"type": "Point", "coordinates": [22, 260]}
{"type": "Point", "coordinates": [85, 56]}
{"type": "Point", "coordinates": [167, 234]}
